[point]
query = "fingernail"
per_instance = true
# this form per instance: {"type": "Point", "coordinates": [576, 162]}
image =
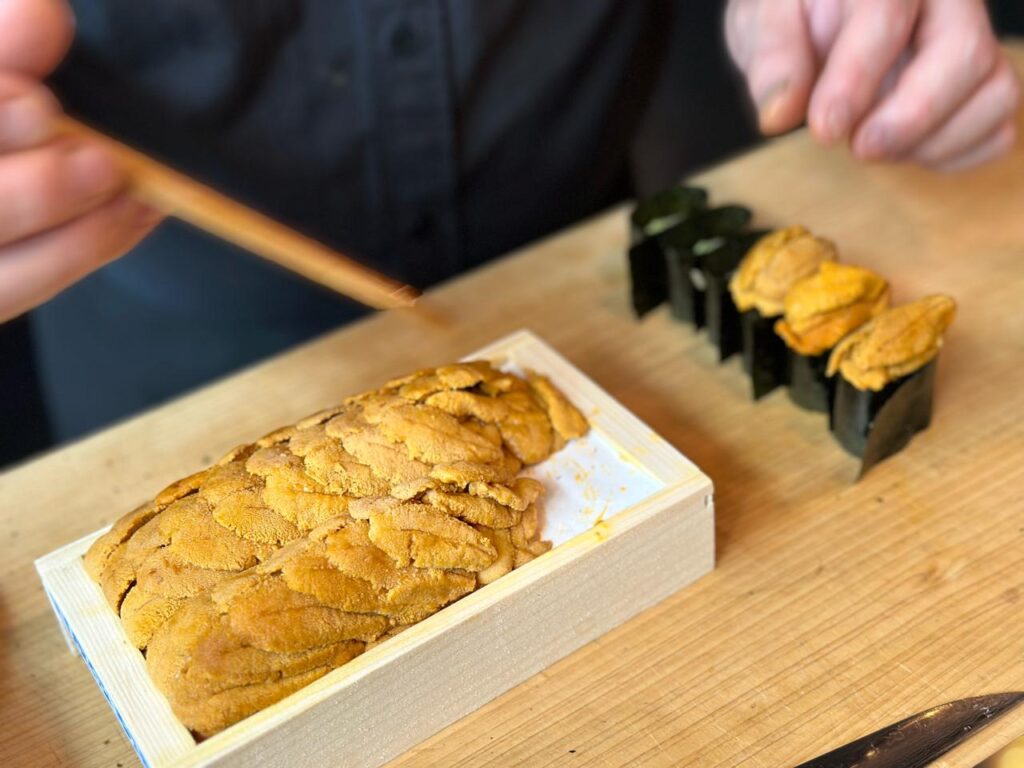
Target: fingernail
{"type": "Point", "coordinates": [770, 101]}
{"type": "Point", "coordinates": [92, 172]}
{"type": "Point", "coordinates": [146, 217]}
{"type": "Point", "coordinates": [25, 121]}
{"type": "Point", "coordinates": [873, 144]}
{"type": "Point", "coordinates": [136, 214]}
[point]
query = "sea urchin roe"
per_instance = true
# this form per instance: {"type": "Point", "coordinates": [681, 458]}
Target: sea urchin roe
{"type": "Point", "coordinates": [249, 580]}
{"type": "Point", "coordinates": [896, 343]}
{"type": "Point", "coordinates": [774, 264]}
{"type": "Point", "coordinates": [823, 308]}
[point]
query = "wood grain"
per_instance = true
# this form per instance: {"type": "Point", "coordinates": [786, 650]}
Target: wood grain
{"type": "Point", "coordinates": [175, 194]}
{"type": "Point", "coordinates": [835, 608]}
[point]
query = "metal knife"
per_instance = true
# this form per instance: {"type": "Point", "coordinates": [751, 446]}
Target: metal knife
{"type": "Point", "coordinates": [921, 738]}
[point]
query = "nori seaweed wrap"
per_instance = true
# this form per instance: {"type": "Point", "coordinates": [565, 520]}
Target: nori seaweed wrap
{"type": "Point", "coordinates": [809, 386]}
{"type": "Point", "coordinates": [764, 354]}
{"type": "Point", "coordinates": [887, 378]}
{"type": "Point", "coordinates": [759, 286]}
{"type": "Point", "coordinates": [648, 281]}
{"type": "Point", "coordinates": [718, 258]}
{"type": "Point", "coordinates": [651, 217]}
{"type": "Point", "coordinates": [818, 312]}
{"type": "Point", "coordinates": [679, 244]}
{"type": "Point", "coordinates": [874, 425]}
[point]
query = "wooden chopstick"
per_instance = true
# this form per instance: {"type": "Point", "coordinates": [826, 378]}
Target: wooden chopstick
{"type": "Point", "coordinates": [177, 195]}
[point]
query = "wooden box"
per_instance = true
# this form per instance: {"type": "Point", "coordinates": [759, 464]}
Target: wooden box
{"type": "Point", "coordinates": [632, 521]}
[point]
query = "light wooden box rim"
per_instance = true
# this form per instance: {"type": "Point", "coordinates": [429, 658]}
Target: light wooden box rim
{"type": "Point", "coordinates": [678, 477]}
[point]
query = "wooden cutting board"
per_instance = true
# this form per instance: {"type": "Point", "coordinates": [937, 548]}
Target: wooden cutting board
{"type": "Point", "coordinates": [835, 608]}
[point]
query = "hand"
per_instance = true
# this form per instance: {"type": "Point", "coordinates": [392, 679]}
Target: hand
{"type": "Point", "coordinates": [917, 80]}
{"type": "Point", "coordinates": [63, 213]}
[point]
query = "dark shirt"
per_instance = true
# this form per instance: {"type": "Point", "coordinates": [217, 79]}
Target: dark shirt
{"type": "Point", "coordinates": [422, 137]}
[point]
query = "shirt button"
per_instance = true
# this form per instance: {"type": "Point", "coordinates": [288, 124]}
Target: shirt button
{"type": "Point", "coordinates": [337, 73]}
{"type": "Point", "coordinates": [338, 78]}
{"type": "Point", "coordinates": [404, 41]}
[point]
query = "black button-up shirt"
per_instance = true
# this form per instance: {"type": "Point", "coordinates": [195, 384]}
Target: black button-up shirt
{"type": "Point", "coordinates": [422, 137]}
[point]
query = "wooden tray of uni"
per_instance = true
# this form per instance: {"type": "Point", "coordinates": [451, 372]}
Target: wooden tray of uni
{"type": "Point", "coordinates": [632, 521]}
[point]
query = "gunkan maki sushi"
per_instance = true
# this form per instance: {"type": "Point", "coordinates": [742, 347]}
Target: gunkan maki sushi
{"type": "Point", "coordinates": [759, 287]}
{"type": "Point", "coordinates": [817, 313]}
{"type": "Point", "coordinates": [684, 246]}
{"type": "Point", "coordinates": [718, 258]}
{"type": "Point", "coordinates": [650, 218]}
{"type": "Point", "coordinates": [887, 377]}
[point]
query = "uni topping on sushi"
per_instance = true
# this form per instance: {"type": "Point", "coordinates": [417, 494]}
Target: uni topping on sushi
{"type": "Point", "coordinates": [774, 264]}
{"type": "Point", "coordinates": [821, 309]}
{"type": "Point", "coordinates": [894, 344]}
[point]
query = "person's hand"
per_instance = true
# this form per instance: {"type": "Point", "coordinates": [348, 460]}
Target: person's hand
{"type": "Point", "coordinates": [62, 209]}
{"type": "Point", "coordinates": [917, 80]}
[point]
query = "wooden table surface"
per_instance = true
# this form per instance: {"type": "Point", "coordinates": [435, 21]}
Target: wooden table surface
{"type": "Point", "coordinates": [836, 606]}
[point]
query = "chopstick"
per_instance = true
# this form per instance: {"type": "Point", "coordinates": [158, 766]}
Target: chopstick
{"type": "Point", "coordinates": [177, 195]}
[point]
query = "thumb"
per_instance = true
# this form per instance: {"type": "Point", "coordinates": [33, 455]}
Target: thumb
{"type": "Point", "coordinates": [772, 45]}
{"type": "Point", "coordinates": [34, 35]}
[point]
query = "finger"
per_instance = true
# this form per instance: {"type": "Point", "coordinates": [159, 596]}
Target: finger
{"type": "Point", "coordinates": [44, 187]}
{"type": "Point", "coordinates": [824, 20]}
{"type": "Point", "coordinates": [992, 105]}
{"type": "Point", "coordinates": [34, 270]}
{"type": "Point", "coordinates": [34, 35]}
{"type": "Point", "coordinates": [740, 30]}
{"type": "Point", "coordinates": [956, 52]}
{"type": "Point", "coordinates": [867, 47]}
{"type": "Point", "coordinates": [776, 54]}
{"type": "Point", "coordinates": [993, 147]}
{"type": "Point", "coordinates": [28, 112]}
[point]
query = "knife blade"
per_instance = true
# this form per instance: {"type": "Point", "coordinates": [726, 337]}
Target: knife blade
{"type": "Point", "coordinates": [922, 738]}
